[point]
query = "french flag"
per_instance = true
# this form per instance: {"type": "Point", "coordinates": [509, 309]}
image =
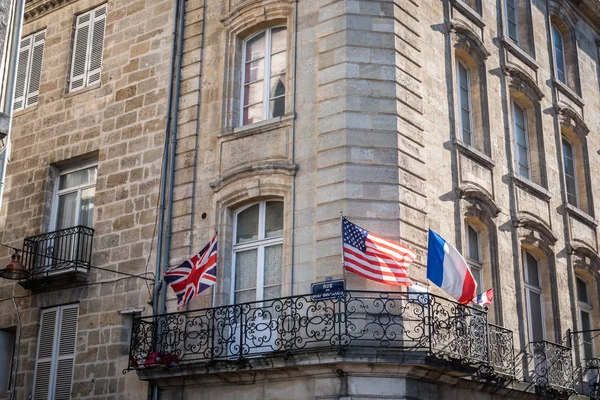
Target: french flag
{"type": "Point", "coordinates": [484, 298]}
{"type": "Point", "coordinates": [449, 270]}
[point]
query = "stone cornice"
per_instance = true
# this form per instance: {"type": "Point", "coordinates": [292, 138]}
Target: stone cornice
{"type": "Point", "coordinates": [37, 8]}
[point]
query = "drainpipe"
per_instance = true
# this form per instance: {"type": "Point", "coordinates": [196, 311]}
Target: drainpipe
{"type": "Point", "coordinates": [293, 206]}
{"type": "Point", "coordinates": [175, 117]}
{"type": "Point", "coordinates": [15, 39]}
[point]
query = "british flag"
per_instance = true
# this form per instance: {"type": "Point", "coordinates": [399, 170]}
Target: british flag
{"type": "Point", "coordinates": [194, 275]}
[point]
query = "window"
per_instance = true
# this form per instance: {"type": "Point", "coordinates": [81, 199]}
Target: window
{"type": "Point", "coordinates": [569, 171]}
{"type": "Point", "coordinates": [512, 20]}
{"type": "Point", "coordinates": [74, 198]}
{"type": "Point", "coordinates": [533, 294]}
{"type": "Point", "coordinates": [7, 344]}
{"type": "Point", "coordinates": [86, 64]}
{"type": "Point", "coordinates": [263, 74]}
{"type": "Point", "coordinates": [258, 252]}
{"type": "Point", "coordinates": [522, 140]}
{"type": "Point", "coordinates": [55, 353]}
{"type": "Point", "coordinates": [474, 257]}
{"type": "Point", "coordinates": [29, 70]}
{"type": "Point", "coordinates": [466, 109]}
{"type": "Point", "coordinates": [585, 318]}
{"type": "Point", "coordinates": [474, 4]}
{"type": "Point", "coordinates": [559, 54]}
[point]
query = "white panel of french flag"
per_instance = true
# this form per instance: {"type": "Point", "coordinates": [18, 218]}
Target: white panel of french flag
{"type": "Point", "coordinates": [449, 270]}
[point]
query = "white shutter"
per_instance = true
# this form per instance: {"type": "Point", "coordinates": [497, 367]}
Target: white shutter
{"type": "Point", "coordinates": [35, 68]}
{"type": "Point", "coordinates": [56, 354]}
{"type": "Point", "coordinates": [66, 353]}
{"type": "Point", "coordinates": [96, 45]}
{"type": "Point", "coordinates": [22, 73]}
{"type": "Point", "coordinates": [80, 50]}
{"type": "Point", "coordinates": [43, 370]}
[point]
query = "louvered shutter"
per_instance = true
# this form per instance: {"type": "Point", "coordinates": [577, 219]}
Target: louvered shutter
{"type": "Point", "coordinates": [22, 73]}
{"type": "Point", "coordinates": [66, 353]}
{"type": "Point", "coordinates": [43, 369]}
{"type": "Point", "coordinates": [97, 45]}
{"type": "Point", "coordinates": [80, 50]}
{"type": "Point", "coordinates": [35, 68]}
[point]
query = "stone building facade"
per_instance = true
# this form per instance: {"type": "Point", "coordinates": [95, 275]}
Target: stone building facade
{"type": "Point", "coordinates": [474, 118]}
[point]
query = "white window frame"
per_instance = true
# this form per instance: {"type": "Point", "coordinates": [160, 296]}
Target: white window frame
{"type": "Point", "coordinates": [555, 31]}
{"type": "Point", "coordinates": [459, 64]}
{"type": "Point", "coordinates": [515, 129]}
{"type": "Point", "coordinates": [531, 288]}
{"type": "Point", "coordinates": [78, 189]}
{"type": "Point", "coordinates": [575, 177]}
{"type": "Point", "coordinates": [516, 19]}
{"type": "Point", "coordinates": [35, 39]}
{"type": "Point", "coordinates": [89, 49]}
{"type": "Point", "coordinates": [259, 244]}
{"type": "Point", "coordinates": [266, 77]}
{"type": "Point", "coordinates": [475, 264]}
{"type": "Point", "coordinates": [584, 307]}
{"type": "Point", "coordinates": [56, 357]}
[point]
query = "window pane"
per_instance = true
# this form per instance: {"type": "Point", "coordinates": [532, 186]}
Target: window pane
{"type": "Point", "coordinates": [247, 225]}
{"type": "Point", "coordinates": [77, 178]}
{"type": "Point", "coordinates": [253, 93]}
{"type": "Point", "coordinates": [586, 325]}
{"type": "Point", "coordinates": [532, 273]}
{"type": "Point", "coordinates": [477, 276]}
{"type": "Point", "coordinates": [535, 316]}
{"type": "Point", "coordinates": [67, 204]}
{"type": "Point", "coordinates": [278, 40]}
{"type": "Point", "coordinates": [7, 341]}
{"type": "Point", "coordinates": [277, 107]}
{"type": "Point", "coordinates": [582, 293]}
{"type": "Point", "coordinates": [245, 296]}
{"type": "Point", "coordinates": [278, 86]}
{"type": "Point", "coordinates": [559, 54]}
{"type": "Point", "coordinates": [245, 269]}
{"type": "Point", "coordinates": [511, 15]}
{"type": "Point", "coordinates": [253, 114]}
{"type": "Point", "coordinates": [569, 171]}
{"type": "Point", "coordinates": [273, 263]}
{"type": "Point", "coordinates": [255, 47]}
{"type": "Point", "coordinates": [473, 238]}
{"type": "Point", "coordinates": [274, 219]}
{"type": "Point", "coordinates": [86, 211]}
{"type": "Point", "coordinates": [273, 292]}
{"type": "Point", "coordinates": [255, 70]}
{"type": "Point", "coordinates": [278, 63]}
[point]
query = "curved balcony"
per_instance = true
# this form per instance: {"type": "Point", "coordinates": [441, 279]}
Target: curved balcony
{"type": "Point", "coordinates": [415, 328]}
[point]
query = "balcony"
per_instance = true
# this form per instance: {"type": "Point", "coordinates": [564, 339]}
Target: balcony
{"type": "Point", "coordinates": [552, 368]}
{"type": "Point", "coordinates": [408, 328]}
{"type": "Point", "coordinates": [57, 259]}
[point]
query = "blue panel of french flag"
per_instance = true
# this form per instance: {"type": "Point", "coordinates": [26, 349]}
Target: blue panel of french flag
{"type": "Point", "coordinates": [448, 269]}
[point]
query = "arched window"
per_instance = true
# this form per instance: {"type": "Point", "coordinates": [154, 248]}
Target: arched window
{"type": "Point", "coordinates": [584, 311]}
{"type": "Point", "coordinates": [264, 76]}
{"type": "Point", "coordinates": [564, 49]}
{"type": "Point", "coordinates": [558, 43]}
{"type": "Point", "coordinates": [257, 252]}
{"type": "Point", "coordinates": [523, 157]}
{"type": "Point", "coordinates": [533, 297]}
{"type": "Point", "coordinates": [519, 26]}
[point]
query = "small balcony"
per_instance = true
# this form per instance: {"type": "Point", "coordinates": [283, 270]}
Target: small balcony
{"type": "Point", "coordinates": [409, 328]}
{"type": "Point", "coordinates": [552, 368]}
{"type": "Point", "coordinates": [57, 259]}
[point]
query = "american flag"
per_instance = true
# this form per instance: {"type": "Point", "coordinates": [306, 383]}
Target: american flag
{"type": "Point", "coordinates": [374, 257]}
{"type": "Point", "coordinates": [195, 275]}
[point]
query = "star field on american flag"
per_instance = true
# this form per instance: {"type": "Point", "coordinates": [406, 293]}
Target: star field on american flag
{"type": "Point", "coordinates": [194, 275]}
{"type": "Point", "coordinates": [374, 257]}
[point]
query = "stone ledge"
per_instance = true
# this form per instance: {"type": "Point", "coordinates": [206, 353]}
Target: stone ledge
{"type": "Point", "coordinates": [570, 93]}
{"type": "Point", "coordinates": [519, 53]}
{"type": "Point", "coordinates": [268, 168]}
{"type": "Point", "coordinates": [474, 154]}
{"type": "Point", "coordinates": [532, 187]}
{"type": "Point", "coordinates": [468, 12]}
{"type": "Point", "coordinates": [258, 127]}
{"type": "Point", "coordinates": [581, 216]}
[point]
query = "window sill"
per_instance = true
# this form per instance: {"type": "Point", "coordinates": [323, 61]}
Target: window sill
{"type": "Point", "coordinates": [474, 154]}
{"type": "Point", "coordinates": [518, 52]}
{"type": "Point", "coordinates": [25, 111]}
{"type": "Point", "coordinates": [83, 90]}
{"type": "Point", "coordinates": [468, 12]}
{"type": "Point", "coordinates": [567, 91]}
{"type": "Point", "coordinates": [581, 215]}
{"type": "Point", "coordinates": [532, 187]}
{"type": "Point", "coordinates": [259, 127]}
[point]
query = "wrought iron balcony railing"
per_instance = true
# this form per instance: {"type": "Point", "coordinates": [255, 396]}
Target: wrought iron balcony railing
{"type": "Point", "coordinates": [552, 367]}
{"type": "Point", "coordinates": [429, 326]}
{"type": "Point", "coordinates": [65, 250]}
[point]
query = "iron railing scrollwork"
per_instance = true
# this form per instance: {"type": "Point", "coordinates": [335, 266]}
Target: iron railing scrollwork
{"type": "Point", "coordinates": [64, 250]}
{"type": "Point", "coordinates": [552, 367]}
{"type": "Point", "coordinates": [396, 322]}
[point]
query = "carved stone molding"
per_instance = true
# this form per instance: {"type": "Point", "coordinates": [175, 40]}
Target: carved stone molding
{"type": "Point", "coordinates": [464, 38]}
{"type": "Point", "coordinates": [569, 118]}
{"type": "Point", "coordinates": [479, 200]}
{"type": "Point", "coordinates": [254, 170]}
{"type": "Point", "coordinates": [522, 82]}
{"type": "Point", "coordinates": [37, 8]}
{"type": "Point", "coordinates": [535, 231]}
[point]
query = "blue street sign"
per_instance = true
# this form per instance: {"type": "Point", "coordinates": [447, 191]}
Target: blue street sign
{"type": "Point", "coordinates": [327, 290]}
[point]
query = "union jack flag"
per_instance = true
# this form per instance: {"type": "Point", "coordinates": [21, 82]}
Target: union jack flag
{"type": "Point", "coordinates": [194, 275]}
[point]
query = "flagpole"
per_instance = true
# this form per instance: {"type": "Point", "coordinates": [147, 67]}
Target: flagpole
{"type": "Point", "coordinates": [342, 245]}
{"type": "Point", "coordinates": [214, 287]}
